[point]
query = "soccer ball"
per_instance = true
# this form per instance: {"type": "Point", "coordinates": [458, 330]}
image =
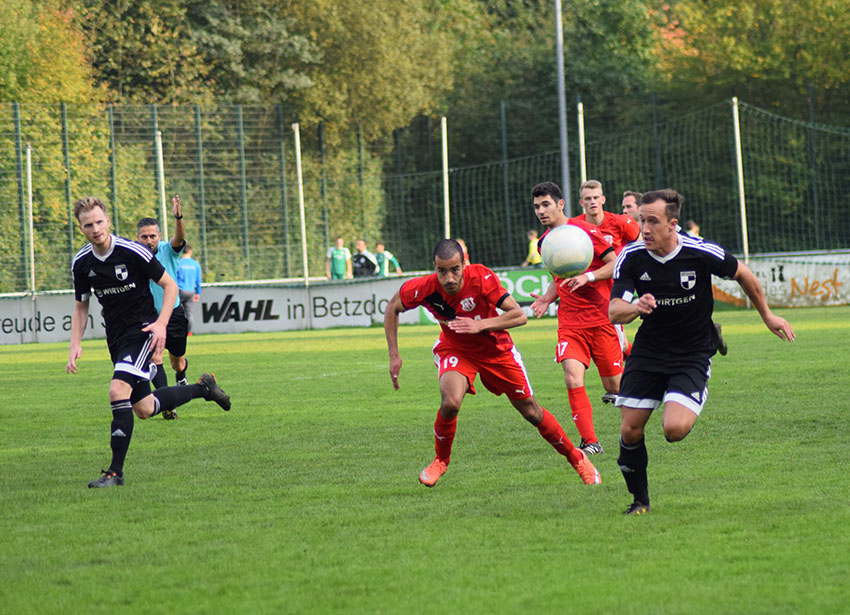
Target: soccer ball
{"type": "Point", "coordinates": [566, 251]}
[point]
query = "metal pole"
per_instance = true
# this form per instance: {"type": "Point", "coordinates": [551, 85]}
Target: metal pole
{"type": "Point", "coordinates": [19, 171]}
{"type": "Point", "coordinates": [160, 171]}
{"type": "Point", "coordinates": [582, 155]}
{"type": "Point", "coordinates": [67, 160]}
{"type": "Point", "coordinates": [813, 163]}
{"type": "Point", "coordinates": [505, 181]}
{"type": "Point", "coordinates": [113, 172]}
{"type": "Point", "coordinates": [361, 171]}
{"type": "Point", "coordinates": [324, 184]}
{"type": "Point", "coordinates": [243, 189]}
{"type": "Point", "coordinates": [29, 213]}
{"type": "Point", "coordinates": [284, 204]}
{"type": "Point", "coordinates": [736, 124]}
{"type": "Point", "coordinates": [160, 180]}
{"type": "Point", "coordinates": [445, 153]}
{"type": "Point", "coordinates": [202, 195]}
{"type": "Point", "coordinates": [562, 109]}
{"type": "Point", "coordinates": [295, 129]}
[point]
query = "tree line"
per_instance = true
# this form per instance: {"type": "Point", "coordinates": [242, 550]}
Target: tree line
{"type": "Point", "coordinates": [381, 72]}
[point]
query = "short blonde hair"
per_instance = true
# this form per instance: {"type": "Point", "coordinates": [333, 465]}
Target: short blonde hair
{"type": "Point", "coordinates": [590, 184]}
{"type": "Point", "coordinates": [87, 203]}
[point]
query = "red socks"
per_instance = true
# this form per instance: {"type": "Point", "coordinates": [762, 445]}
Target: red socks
{"type": "Point", "coordinates": [553, 433]}
{"type": "Point", "coordinates": [582, 414]}
{"type": "Point", "coordinates": [444, 435]}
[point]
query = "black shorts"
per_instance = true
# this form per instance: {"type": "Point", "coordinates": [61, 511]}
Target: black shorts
{"type": "Point", "coordinates": [176, 332]}
{"type": "Point", "coordinates": [649, 382]}
{"type": "Point", "coordinates": [131, 355]}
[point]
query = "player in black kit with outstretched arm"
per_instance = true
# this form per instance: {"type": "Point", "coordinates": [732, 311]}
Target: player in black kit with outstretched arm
{"type": "Point", "coordinates": [670, 362]}
{"type": "Point", "coordinates": [118, 272]}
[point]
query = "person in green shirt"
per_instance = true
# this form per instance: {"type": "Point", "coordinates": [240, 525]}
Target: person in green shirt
{"type": "Point", "coordinates": [338, 262]}
{"type": "Point", "coordinates": [385, 258]}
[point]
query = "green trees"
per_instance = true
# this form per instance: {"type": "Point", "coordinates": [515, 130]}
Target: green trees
{"type": "Point", "coordinates": [41, 54]}
{"type": "Point", "coordinates": [768, 52]}
{"type": "Point", "coordinates": [142, 50]}
{"type": "Point", "coordinates": [386, 70]}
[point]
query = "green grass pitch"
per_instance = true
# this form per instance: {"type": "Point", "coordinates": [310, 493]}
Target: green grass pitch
{"type": "Point", "coordinates": [304, 497]}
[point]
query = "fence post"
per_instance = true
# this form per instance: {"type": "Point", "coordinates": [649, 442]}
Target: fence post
{"type": "Point", "coordinates": [739, 161]}
{"type": "Point", "coordinates": [30, 221]}
{"type": "Point", "coordinates": [324, 180]}
{"type": "Point", "coordinates": [562, 111]}
{"type": "Point", "coordinates": [297, 132]}
{"type": "Point", "coordinates": [202, 193]}
{"type": "Point", "coordinates": [67, 160]}
{"type": "Point", "coordinates": [284, 206]}
{"type": "Point", "coordinates": [154, 132]}
{"type": "Point", "coordinates": [582, 154]}
{"type": "Point", "coordinates": [19, 169]}
{"type": "Point", "coordinates": [361, 170]}
{"type": "Point", "coordinates": [505, 181]}
{"type": "Point", "coordinates": [243, 188]}
{"type": "Point", "coordinates": [160, 169]}
{"type": "Point", "coordinates": [444, 142]}
{"type": "Point", "coordinates": [813, 163]}
{"type": "Point", "coordinates": [113, 172]}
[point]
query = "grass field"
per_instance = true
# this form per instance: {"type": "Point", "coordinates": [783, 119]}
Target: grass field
{"type": "Point", "coordinates": [304, 497]}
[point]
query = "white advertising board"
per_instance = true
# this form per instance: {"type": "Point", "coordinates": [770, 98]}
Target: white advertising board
{"type": "Point", "coordinates": [222, 309]}
{"type": "Point", "coordinates": [46, 317]}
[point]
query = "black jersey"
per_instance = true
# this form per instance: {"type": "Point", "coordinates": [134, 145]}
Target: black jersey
{"type": "Point", "coordinates": [121, 282]}
{"type": "Point", "coordinates": [681, 285]}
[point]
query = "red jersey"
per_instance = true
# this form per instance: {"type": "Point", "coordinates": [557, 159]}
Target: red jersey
{"type": "Point", "coordinates": [617, 229]}
{"type": "Point", "coordinates": [587, 306]}
{"type": "Point", "coordinates": [479, 296]}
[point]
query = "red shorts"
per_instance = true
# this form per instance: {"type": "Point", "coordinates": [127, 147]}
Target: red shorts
{"type": "Point", "coordinates": [599, 343]}
{"type": "Point", "coordinates": [501, 373]}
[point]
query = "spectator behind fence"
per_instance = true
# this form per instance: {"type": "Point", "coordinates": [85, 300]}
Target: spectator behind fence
{"type": "Point", "coordinates": [385, 258]}
{"type": "Point", "coordinates": [189, 276]}
{"type": "Point", "coordinates": [533, 257]}
{"type": "Point", "coordinates": [338, 262]}
{"type": "Point", "coordinates": [363, 263]}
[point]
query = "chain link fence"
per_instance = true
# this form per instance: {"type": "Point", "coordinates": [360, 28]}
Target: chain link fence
{"type": "Point", "coordinates": [234, 169]}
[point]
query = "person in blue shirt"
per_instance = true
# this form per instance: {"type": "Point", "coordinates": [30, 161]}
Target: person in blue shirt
{"type": "Point", "coordinates": [168, 253]}
{"type": "Point", "coordinates": [189, 282]}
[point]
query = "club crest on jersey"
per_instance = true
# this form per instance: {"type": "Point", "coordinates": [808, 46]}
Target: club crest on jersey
{"type": "Point", "coordinates": [121, 272]}
{"type": "Point", "coordinates": [467, 304]}
{"type": "Point", "coordinates": [688, 279]}
{"type": "Point", "coordinates": [609, 239]}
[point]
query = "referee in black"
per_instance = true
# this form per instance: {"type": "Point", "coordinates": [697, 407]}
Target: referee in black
{"type": "Point", "coordinates": [118, 272]}
{"type": "Point", "coordinates": [670, 362]}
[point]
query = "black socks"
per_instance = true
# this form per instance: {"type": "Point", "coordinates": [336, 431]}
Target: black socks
{"type": "Point", "coordinates": [160, 378]}
{"type": "Point", "coordinates": [122, 431]}
{"type": "Point", "coordinates": [633, 461]}
{"type": "Point", "coordinates": [171, 397]}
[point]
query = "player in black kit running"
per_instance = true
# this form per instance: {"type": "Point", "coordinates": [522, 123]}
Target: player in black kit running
{"type": "Point", "coordinates": [670, 362]}
{"type": "Point", "coordinates": [118, 272]}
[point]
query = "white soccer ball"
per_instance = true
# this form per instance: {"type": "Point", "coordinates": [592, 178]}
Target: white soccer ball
{"type": "Point", "coordinates": [566, 251]}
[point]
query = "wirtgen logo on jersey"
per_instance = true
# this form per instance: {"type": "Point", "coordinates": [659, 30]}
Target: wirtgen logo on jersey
{"type": "Point", "coordinates": [239, 311]}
